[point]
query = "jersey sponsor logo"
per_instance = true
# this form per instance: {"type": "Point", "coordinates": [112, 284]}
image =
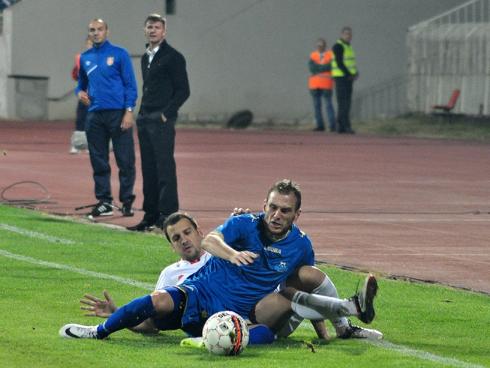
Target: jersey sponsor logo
{"type": "Point", "coordinates": [273, 249]}
{"type": "Point", "coordinates": [110, 60]}
{"type": "Point", "coordinates": [281, 267]}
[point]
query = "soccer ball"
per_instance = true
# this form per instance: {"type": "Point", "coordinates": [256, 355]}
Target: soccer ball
{"type": "Point", "coordinates": [225, 333]}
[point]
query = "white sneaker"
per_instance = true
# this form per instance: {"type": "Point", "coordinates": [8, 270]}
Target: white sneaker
{"type": "Point", "coordinates": [73, 151]}
{"type": "Point", "coordinates": [355, 332]}
{"type": "Point", "coordinates": [73, 331]}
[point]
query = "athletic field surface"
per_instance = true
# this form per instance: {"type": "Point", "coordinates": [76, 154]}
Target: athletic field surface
{"type": "Point", "coordinates": [408, 210]}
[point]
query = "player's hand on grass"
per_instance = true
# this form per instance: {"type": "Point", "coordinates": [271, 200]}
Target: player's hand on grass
{"type": "Point", "coordinates": [243, 258]}
{"type": "Point", "coordinates": [97, 307]}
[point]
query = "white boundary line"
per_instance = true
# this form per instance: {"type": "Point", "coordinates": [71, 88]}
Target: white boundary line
{"type": "Point", "coordinates": [403, 350]}
{"type": "Point", "coordinates": [36, 235]}
{"type": "Point", "coordinates": [98, 275]}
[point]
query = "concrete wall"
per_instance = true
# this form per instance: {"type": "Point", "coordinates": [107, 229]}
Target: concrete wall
{"type": "Point", "coordinates": [46, 45]}
{"type": "Point", "coordinates": [5, 62]}
{"type": "Point", "coordinates": [241, 54]}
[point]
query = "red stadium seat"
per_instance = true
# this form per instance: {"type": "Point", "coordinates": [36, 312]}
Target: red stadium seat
{"type": "Point", "coordinates": [450, 105]}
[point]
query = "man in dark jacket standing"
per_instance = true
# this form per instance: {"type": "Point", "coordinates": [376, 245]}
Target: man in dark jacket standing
{"type": "Point", "coordinates": [165, 89]}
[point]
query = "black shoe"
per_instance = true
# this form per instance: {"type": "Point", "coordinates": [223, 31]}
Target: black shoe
{"type": "Point", "coordinates": [102, 208]}
{"type": "Point", "coordinates": [144, 225]}
{"type": "Point", "coordinates": [318, 129]}
{"type": "Point", "coordinates": [364, 300]}
{"type": "Point", "coordinates": [350, 131]}
{"type": "Point", "coordinates": [355, 332]}
{"type": "Point", "coordinates": [127, 210]}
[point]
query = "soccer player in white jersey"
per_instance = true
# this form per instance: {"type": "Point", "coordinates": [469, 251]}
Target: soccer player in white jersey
{"type": "Point", "coordinates": [192, 259]}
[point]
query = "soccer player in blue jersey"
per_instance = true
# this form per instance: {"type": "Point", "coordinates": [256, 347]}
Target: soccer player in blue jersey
{"type": "Point", "coordinates": [253, 254]}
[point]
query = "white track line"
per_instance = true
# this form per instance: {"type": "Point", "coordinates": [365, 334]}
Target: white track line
{"type": "Point", "coordinates": [403, 350]}
{"type": "Point", "coordinates": [36, 235]}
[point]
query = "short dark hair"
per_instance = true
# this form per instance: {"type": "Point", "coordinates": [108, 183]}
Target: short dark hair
{"type": "Point", "coordinates": [176, 217]}
{"type": "Point", "coordinates": [346, 28]}
{"type": "Point", "coordinates": [287, 186]}
{"type": "Point", "coordinates": [155, 17]}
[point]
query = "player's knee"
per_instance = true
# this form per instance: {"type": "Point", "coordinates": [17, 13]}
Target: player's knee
{"type": "Point", "coordinates": [309, 278]}
{"type": "Point", "coordinates": [162, 302]}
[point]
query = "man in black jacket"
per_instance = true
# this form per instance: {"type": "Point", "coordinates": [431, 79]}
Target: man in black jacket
{"type": "Point", "coordinates": [165, 89]}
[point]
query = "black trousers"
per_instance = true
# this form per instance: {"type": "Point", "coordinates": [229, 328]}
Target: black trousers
{"type": "Point", "coordinates": [343, 89]}
{"type": "Point", "coordinates": [157, 144]}
{"type": "Point", "coordinates": [101, 127]}
{"type": "Point", "coordinates": [82, 110]}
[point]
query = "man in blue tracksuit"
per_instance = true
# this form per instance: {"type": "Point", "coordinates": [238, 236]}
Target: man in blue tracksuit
{"type": "Point", "coordinates": [106, 84]}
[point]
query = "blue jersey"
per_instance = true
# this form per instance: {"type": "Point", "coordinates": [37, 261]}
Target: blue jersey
{"type": "Point", "coordinates": [106, 74]}
{"type": "Point", "coordinates": [221, 285]}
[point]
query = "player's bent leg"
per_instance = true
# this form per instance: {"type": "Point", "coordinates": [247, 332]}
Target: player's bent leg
{"type": "Point", "coordinates": [316, 307]}
{"type": "Point", "coordinates": [306, 278]}
{"type": "Point", "coordinates": [273, 311]}
{"type": "Point", "coordinates": [311, 279]}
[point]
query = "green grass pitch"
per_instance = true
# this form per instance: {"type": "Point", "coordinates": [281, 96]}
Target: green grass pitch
{"type": "Point", "coordinates": [48, 263]}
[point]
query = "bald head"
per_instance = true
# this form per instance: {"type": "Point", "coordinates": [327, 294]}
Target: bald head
{"type": "Point", "coordinates": [97, 31]}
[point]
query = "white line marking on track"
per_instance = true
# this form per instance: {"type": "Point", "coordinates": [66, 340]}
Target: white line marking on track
{"type": "Point", "coordinates": [403, 350]}
{"type": "Point", "coordinates": [35, 234]}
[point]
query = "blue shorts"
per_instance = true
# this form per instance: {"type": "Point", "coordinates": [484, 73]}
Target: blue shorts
{"type": "Point", "coordinates": [175, 321]}
{"type": "Point", "coordinates": [191, 310]}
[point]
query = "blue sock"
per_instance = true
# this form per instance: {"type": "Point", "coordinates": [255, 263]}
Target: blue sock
{"type": "Point", "coordinates": [260, 334]}
{"type": "Point", "coordinates": [130, 315]}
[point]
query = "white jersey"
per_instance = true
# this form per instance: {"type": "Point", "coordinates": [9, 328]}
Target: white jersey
{"type": "Point", "coordinates": [177, 272]}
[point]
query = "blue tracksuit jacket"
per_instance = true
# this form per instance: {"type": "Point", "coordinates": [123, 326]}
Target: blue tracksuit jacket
{"type": "Point", "coordinates": [106, 72]}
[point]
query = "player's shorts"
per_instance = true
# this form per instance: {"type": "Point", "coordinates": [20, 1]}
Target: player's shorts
{"type": "Point", "coordinates": [172, 321]}
{"type": "Point", "coordinates": [187, 314]}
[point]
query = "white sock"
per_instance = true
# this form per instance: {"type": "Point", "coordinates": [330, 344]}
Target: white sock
{"type": "Point", "coordinates": [317, 307]}
{"type": "Point", "coordinates": [327, 288]}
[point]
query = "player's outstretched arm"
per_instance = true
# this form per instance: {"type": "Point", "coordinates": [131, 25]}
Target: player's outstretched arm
{"type": "Point", "coordinates": [97, 307]}
{"type": "Point", "coordinates": [215, 244]}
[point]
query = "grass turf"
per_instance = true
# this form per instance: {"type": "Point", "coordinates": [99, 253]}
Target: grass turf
{"type": "Point", "coordinates": [429, 126]}
{"type": "Point", "coordinates": [424, 325]}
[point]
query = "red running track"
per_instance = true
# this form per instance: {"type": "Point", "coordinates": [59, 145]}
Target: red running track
{"type": "Point", "coordinates": [417, 208]}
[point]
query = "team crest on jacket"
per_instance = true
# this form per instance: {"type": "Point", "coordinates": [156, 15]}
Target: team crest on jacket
{"type": "Point", "coordinates": [110, 60]}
